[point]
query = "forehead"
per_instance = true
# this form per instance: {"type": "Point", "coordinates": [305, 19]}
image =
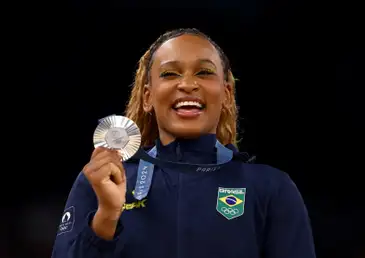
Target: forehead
{"type": "Point", "coordinates": [187, 49]}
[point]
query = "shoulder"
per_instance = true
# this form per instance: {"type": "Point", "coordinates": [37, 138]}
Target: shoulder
{"type": "Point", "coordinates": [263, 172]}
{"type": "Point", "coordinates": [264, 178]}
{"type": "Point", "coordinates": [259, 174]}
{"type": "Point", "coordinates": [271, 189]}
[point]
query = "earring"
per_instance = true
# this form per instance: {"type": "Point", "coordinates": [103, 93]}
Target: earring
{"type": "Point", "coordinates": [150, 112]}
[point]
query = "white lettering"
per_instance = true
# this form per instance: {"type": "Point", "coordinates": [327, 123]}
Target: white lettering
{"type": "Point", "coordinates": [228, 191]}
{"type": "Point", "coordinates": [207, 169]}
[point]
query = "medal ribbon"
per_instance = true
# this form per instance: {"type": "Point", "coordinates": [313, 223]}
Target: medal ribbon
{"type": "Point", "coordinates": [149, 160]}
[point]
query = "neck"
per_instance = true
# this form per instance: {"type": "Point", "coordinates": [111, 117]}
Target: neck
{"type": "Point", "coordinates": [166, 138]}
{"type": "Point", "coordinates": [192, 149]}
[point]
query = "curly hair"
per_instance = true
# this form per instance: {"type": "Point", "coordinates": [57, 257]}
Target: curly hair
{"type": "Point", "coordinates": [227, 126]}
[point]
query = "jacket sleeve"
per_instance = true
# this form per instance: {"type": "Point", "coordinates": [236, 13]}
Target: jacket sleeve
{"type": "Point", "coordinates": [75, 238]}
{"type": "Point", "coordinates": [288, 229]}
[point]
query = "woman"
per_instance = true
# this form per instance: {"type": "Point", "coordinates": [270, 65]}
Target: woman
{"type": "Point", "coordinates": [183, 102]}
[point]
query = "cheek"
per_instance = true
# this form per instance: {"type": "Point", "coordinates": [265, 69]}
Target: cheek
{"type": "Point", "coordinates": [161, 95]}
{"type": "Point", "coordinates": [215, 97]}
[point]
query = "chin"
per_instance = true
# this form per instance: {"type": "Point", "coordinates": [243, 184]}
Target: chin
{"type": "Point", "coordinates": [187, 131]}
{"type": "Point", "coordinates": [188, 135]}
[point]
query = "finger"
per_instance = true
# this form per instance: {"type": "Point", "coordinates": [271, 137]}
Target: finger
{"type": "Point", "coordinates": [109, 170]}
{"type": "Point", "coordinates": [117, 173]}
{"type": "Point", "coordinates": [95, 164]}
{"type": "Point", "coordinates": [103, 158]}
{"type": "Point", "coordinates": [106, 152]}
{"type": "Point", "coordinates": [96, 177]}
{"type": "Point", "coordinates": [97, 151]}
{"type": "Point", "coordinates": [117, 162]}
{"type": "Point", "coordinates": [114, 155]}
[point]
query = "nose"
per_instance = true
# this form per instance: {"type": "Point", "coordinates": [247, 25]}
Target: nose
{"type": "Point", "coordinates": [188, 85]}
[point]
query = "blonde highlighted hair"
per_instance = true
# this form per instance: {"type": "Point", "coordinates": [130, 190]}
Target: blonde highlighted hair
{"type": "Point", "coordinates": [227, 126]}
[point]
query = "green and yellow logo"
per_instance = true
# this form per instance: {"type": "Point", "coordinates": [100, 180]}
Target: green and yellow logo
{"type": "Point", "coordinates": [231, 202]}
{"type": "Point", "coordinates": [135, 205]}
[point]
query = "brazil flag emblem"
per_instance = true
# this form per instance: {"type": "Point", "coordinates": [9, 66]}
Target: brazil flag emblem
{"type": "Point", "coordinates": [231, 202]}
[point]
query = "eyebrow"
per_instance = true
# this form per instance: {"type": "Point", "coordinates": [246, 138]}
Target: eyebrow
{"type": "Point", "coordinates": [175, 62]}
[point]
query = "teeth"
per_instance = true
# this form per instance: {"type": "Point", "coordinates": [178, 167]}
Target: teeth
{"type": "Point", "coordinates": [188, 103]}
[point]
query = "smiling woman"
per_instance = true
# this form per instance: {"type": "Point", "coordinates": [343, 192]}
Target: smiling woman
{"type": "Point", "coordinates": [183, 101]}
{"type": "Point", "coordinates": [184, 66]}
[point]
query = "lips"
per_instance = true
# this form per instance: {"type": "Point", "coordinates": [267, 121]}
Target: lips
{"type": "Point", "coordinates": [188, 102]}
{"type": "Point", "coordinates": [188, 107]}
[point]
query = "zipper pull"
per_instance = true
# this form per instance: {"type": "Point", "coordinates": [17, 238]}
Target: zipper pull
{"type": "Point", "coordinates": [178, 152]}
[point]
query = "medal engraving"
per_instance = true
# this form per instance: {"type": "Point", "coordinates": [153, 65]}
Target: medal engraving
{"type": "Point", "coordinates": [118, 133]}
{"type": "Point", "coordinates": [117, 138]}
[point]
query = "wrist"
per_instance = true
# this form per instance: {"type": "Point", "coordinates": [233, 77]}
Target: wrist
{"type": "Point", "coordinates": [105, 222]}
{"type": "Point", "coordinates": [108, 214]}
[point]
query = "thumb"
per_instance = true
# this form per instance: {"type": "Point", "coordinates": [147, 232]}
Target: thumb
{"type": "Point", "coordinates": [118, 174]}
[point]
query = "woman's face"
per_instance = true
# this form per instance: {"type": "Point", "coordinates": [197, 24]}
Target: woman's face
{"type": "Point", "coordinates": [186, 89]}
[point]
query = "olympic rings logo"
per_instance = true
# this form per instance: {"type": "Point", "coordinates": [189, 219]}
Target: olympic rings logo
{"type": "Point", "coordinates": [230, 211]}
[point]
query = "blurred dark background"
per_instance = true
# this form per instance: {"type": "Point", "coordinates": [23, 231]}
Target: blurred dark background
{"type": "Point", "coordinates": [300, 94]}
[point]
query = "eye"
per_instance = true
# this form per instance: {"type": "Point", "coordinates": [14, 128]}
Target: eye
{"type": "Point", "coordinates": [169, 74]}
{"type": "Point", "coordinates": [205, 72]}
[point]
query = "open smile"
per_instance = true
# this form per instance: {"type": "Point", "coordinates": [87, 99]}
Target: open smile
{"type": "Point", "coordinates": [188, 107]}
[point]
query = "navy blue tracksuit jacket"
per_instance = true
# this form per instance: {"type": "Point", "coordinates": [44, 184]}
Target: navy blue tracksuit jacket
{"type": "Point", "coordinates": [250, 211]}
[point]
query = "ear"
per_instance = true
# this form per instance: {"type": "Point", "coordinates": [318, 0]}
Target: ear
{"type": "Point", "coordinates": [147, 98]}
{"type": "Point", "coordinates": [227, 101]}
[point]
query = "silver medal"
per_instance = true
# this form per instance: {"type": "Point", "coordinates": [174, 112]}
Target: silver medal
{"type": "Point", "coordinates": [119, 133]}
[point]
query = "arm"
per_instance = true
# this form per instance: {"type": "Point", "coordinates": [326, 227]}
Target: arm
{"type": "Point", "coordinates": [80, 233]}
{"type": "Point", "coordinates": [288, 229]}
